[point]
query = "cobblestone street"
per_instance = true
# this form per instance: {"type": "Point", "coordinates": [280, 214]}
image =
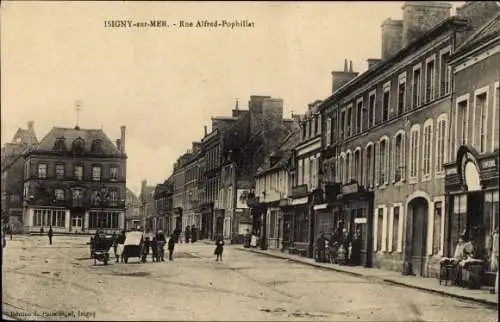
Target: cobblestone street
{"type": "Point", "coordinates": [60, 278]}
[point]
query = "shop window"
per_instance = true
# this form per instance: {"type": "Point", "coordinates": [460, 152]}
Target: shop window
{"type": "Point", "coordinates": [380, 227]}
{"type": "Point", "coordinates": [458, 220]}
{"type": "Point", "coordinates": [491, 215]}
{"type": "Point", "coordinates": [438, 217]}
{"type": "Point", "coordinates": [395, 228]}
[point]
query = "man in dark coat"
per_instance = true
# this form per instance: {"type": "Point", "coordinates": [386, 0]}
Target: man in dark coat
{"type": "Point", "coordinates": [171, 245]}
{"type": "Point", "coordinates": [321, 247]}
{"type": "Point", "coordinates": [219, 247]}
{"type": "Point", "coordinates": [187, 234]}
{"type": "Point", "coordinates": [160, 237]}
{"type": "Point", "coordinates": [50, 234]}
{"type": "Point", "coordinates": [194, 234]}
{"type": "Point", "coordinates": [177, 233]}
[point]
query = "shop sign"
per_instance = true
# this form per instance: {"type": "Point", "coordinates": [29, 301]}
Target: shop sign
{"type": "Point", "coordinates": [488, 164]}
{"type": "Point", "coordinates": [320, 207]}
{"type": "Point", "coordinates": [451, 171]}
{"type": "Point", "coordinates": [297, 190]}
{"type": "Point", "coordinates": [300, 201]}
{"type": "Point", "coordinates": [350, 188]}
{"type": "Point", "coordinates": [360, 220]}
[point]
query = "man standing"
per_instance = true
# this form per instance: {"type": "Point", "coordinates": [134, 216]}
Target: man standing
{"type": "Point", "coordinates": [171, 245]}
{"type": "Point", "coordinates": [50, 234]}
{"type": "Point", "coordinates": [187, 234]}
{"type": "Point", "coordinates": [321, 245]}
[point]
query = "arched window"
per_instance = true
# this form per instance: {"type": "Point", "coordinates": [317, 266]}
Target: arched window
{"type": "Point", "coordinates": [60, 145]}
{"type": "Point", "coordinates": [383, 161]}
{"type": "Point", "coordinates": [348, 165]}
{"type": "Point", "coordinates": [358, 172]}
{"type": "Point", "coordinates": [370, 165]}
{"type": "Point", "coordinates": [441, 143]}
{"type": "Point", "coordinates": [398, 154]}
{"type": "Point", "coordinates": [78, 146]}
{"type": "Point", "coordinates": [342, 168]}
{"type": "Point", "coordinates": [96, 146]}
{"type": "Point", "coordinates": [414, 152]}
{"type": "Point", "coordinates": [427, 150]}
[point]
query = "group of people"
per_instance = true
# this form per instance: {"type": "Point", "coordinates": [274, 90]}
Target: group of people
{"type": "Point", "coordinates": [190, 234]}
{"type": "Point", "coordinates": [342, 247]}
{"type": "Point", "coordinates": [157, 245]}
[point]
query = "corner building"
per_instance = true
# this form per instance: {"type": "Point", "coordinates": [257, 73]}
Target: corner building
{"type": "Point", "coordinates": [388, 133]}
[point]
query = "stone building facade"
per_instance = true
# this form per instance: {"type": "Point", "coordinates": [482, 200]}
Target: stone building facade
{"type": "Point", "coordinates": [74, 181]}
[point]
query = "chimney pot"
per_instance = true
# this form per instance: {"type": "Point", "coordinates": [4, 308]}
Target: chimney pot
{"type": "Point", "coordinates": [345, 65]}
{"type": "Point", "coordinates": [350, 66]}
{"type": "Point", "coordinates": [30, 125]}
{"type": "Point", "coordinates": [206, 132]}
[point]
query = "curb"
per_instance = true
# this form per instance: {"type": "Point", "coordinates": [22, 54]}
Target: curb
{"type": "Point", "coordinates": [381, 279]}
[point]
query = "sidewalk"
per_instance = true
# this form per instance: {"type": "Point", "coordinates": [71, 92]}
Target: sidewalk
{"type": "Point", "coordinates": [425, 284]}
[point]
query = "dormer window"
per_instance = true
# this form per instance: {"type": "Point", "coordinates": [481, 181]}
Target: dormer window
{"type": "Point", "coordinates": [60, 145]}
{"type": "Point", "coordinates": [78, 146]}
{"type": "Point", "coordinates": [96, 146]}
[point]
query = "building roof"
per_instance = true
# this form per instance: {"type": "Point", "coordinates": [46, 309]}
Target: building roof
{"type": "Point", "coordinates": [27, 136]}
{"type": "Point", "coordinates": [131, 196]}
{"type": "Point", "coordinates": [71, 134]}
{"type": "Point", "coordinates": [284, 153]}
{"type": "Point", "coordinates": [486, 32]}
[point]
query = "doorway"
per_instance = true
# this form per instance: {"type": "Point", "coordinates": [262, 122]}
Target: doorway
{"type": "Point", "coordinates": [418, 209]}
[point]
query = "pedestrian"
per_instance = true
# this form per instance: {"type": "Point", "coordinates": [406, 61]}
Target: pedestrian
{"type": "Point", "coordinates": [120, 245]}
{"type": "Point", "coordinates": [11, 229]}
{"type": "Point", "coordinates": [160, 237]}
{"type": "Point", "coordinates": [154, 249]}
{"type": "Point", "coordinates": [115, 245]}
{"type": "Point", "coordinates": [171, 245]}
{"type": "Point", "coordinates": [194, 234]}
{"type": "Point", "coordinates": [177, 233]}
{"type": "Point", "coordinates": [145, 249]}
{"type": "Point", "coordinates": [187, 234]}
{"type": "Point", "coordinates": [50, 234]}
{"type": "Point", "coordinates": [321, 248]}
{"type": "Point", "coordinates": [219, 248]}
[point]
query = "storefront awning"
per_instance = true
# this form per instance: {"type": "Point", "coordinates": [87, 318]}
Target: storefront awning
{"type": "Point", "coordinates": [299, 201]}
{"type": "Point", "coordinates": [320, 206]}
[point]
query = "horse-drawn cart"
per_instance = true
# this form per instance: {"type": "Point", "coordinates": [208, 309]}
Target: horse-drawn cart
{"type": "Point", "coordinates": [99, 248]}
{"type": "Point", "coordinates": [133, 245]}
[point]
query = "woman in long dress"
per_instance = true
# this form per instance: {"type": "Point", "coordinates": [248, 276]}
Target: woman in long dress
{"type": "Point", "coordinates": [219, 247]}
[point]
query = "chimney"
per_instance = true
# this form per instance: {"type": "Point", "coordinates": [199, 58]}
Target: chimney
{"type": "Point", "coordinates": [205, 130]}
{"type": "Point", "coordinates": [341, 78]}
{"type": "Point", "coordinates": [478, 13]}
{"type": "Point", "coordinates": [421, 16]}
{"type": "Point", "coordinates": [392, 33]}
{"type": "Point", "coordinates": [122, 139]}
{"type": "Point", "coordinates": [372, 62]}
{"type": "Point", "coordinates": [119, 144]}
{"type": "Point", "coordinates": [30, 125]}
{"type": "Point", "coordinates": [143, 186]}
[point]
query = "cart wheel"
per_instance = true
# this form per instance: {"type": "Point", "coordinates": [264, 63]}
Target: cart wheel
{"type": "Point", "coordinates": [105, 260]}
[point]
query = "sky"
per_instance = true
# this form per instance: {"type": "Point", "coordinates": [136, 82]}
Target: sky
{"type": "Point", "coordinates": [164, 84]}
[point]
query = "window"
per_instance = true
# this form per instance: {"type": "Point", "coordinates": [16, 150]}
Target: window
{"type": "Point", "coordinates": [441, 142]}
{"type": "Point", "coordinates": [371, 109]}
{"type": "Point", "coordinates": [359, 115]}
{"type": "Point", "coordinates": [45, 218]}
{"type": "Point", "coordinates": [414, 150]}
{"type": "Point", "coordinates": [383, 161]}
{"type": "Point", "coordinates": [59, 171]}
{"type": "Point", "coordinates": [113, 197]}
{"type": "Point", "coordinates": [380, 227]}
{"type": "Point", "coordinates": [462, 122]}
{"type": "Point", "coordinates": [436, 240]}
{"type": "Point", "coordinates": [386, 102]}
{"type": "Point", "coordinates": [401, 96]}
{"type": "Point", "coordinates": [104, 219]}
{"type": "Point", "coordinates": [78, 171]}
{"type": "Point", "coordinates": [349, 129]}
{"type": "Point", "coordinates": [304, 134]}
{"type": "Point", "coordinates": [96, 173]}
{"type": "Point", "coordinates": [370, 161]}
{"type": "Point", "coordinates": [416, 98]}
{"type": "Point", "coordinates": [395, 228]}
{"type": "Point", "coordinates": [309, 125]}
{"type": "Point", "coordinates": [316, 124]}
{"type": "Point", "coordinates": [59, 194]}
{"type": "Point", "coordinates": [342, 124]}
{"type": "Point", "coordinates": [113, 173]}
{"type": "Point", "coordinates": [60, 145]}
{"type": "Point", "coordinates": [78, 146]}
{"type": "Point", "coordinates": [328, 131]}
{"type": "Point", "coordinates": [426, 151]}
{"type": "Point", "coordinates": [399, 156]}
{"type": "Point", "coordinates": [357, 166]}
{"type": "Point", "coordinates": [481, 108]}
{"type": "Point", "coordinates": [333, 128]}
{"type": "Point", "coordinates": [444, 73]}
{"type": "Point", "coordinates": [42, 170]}
{"type": "Point", "coordinates": [341, 171]}
{"type": "Point", "coordinates": [495, 118]}
{"type": "Point", "coordinates": [77, 194]}
{"type": "Point", "coordinates": [430, 83]}
{"type": "Point", "coordinates": [348, 176]}
{"type": "Point", "coordinates": [96, 146]}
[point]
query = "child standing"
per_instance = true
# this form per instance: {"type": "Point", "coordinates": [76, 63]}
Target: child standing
{"type": "Point", "coordinates": [219, 247]}
{"type": "Point", "coordinates": [145, 249]}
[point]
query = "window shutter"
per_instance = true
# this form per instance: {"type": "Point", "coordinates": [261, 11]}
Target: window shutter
{"type": "Point", "coordinates": [377, 162]}
{"type": "Point", "coordinates": [387, 157]}
{"type": "Point", "coordinates": [328, 131]}
{"type": "Point", "coordinates": [402, 161]}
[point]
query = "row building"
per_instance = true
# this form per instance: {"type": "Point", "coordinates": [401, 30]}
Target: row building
{"type": "Point", "coordinates": [404, 154]}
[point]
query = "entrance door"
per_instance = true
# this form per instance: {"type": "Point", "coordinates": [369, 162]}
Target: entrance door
{"type": "Point", "coordinates": [219, 226]}
{"type": "Point", "coordinates": [419, 211]}
{"type": "Point", "coordinates": [77, 223]}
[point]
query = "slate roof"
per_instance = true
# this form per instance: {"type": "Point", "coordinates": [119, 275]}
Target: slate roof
{"type": "Point", "coordinates": [284, 153]}
{"type": "Point", "coordinates": [486, 32]}
{"type": "Point", "coordinates": [27, 136]}
{"type": "Point", "coordinates": [71, 134]}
